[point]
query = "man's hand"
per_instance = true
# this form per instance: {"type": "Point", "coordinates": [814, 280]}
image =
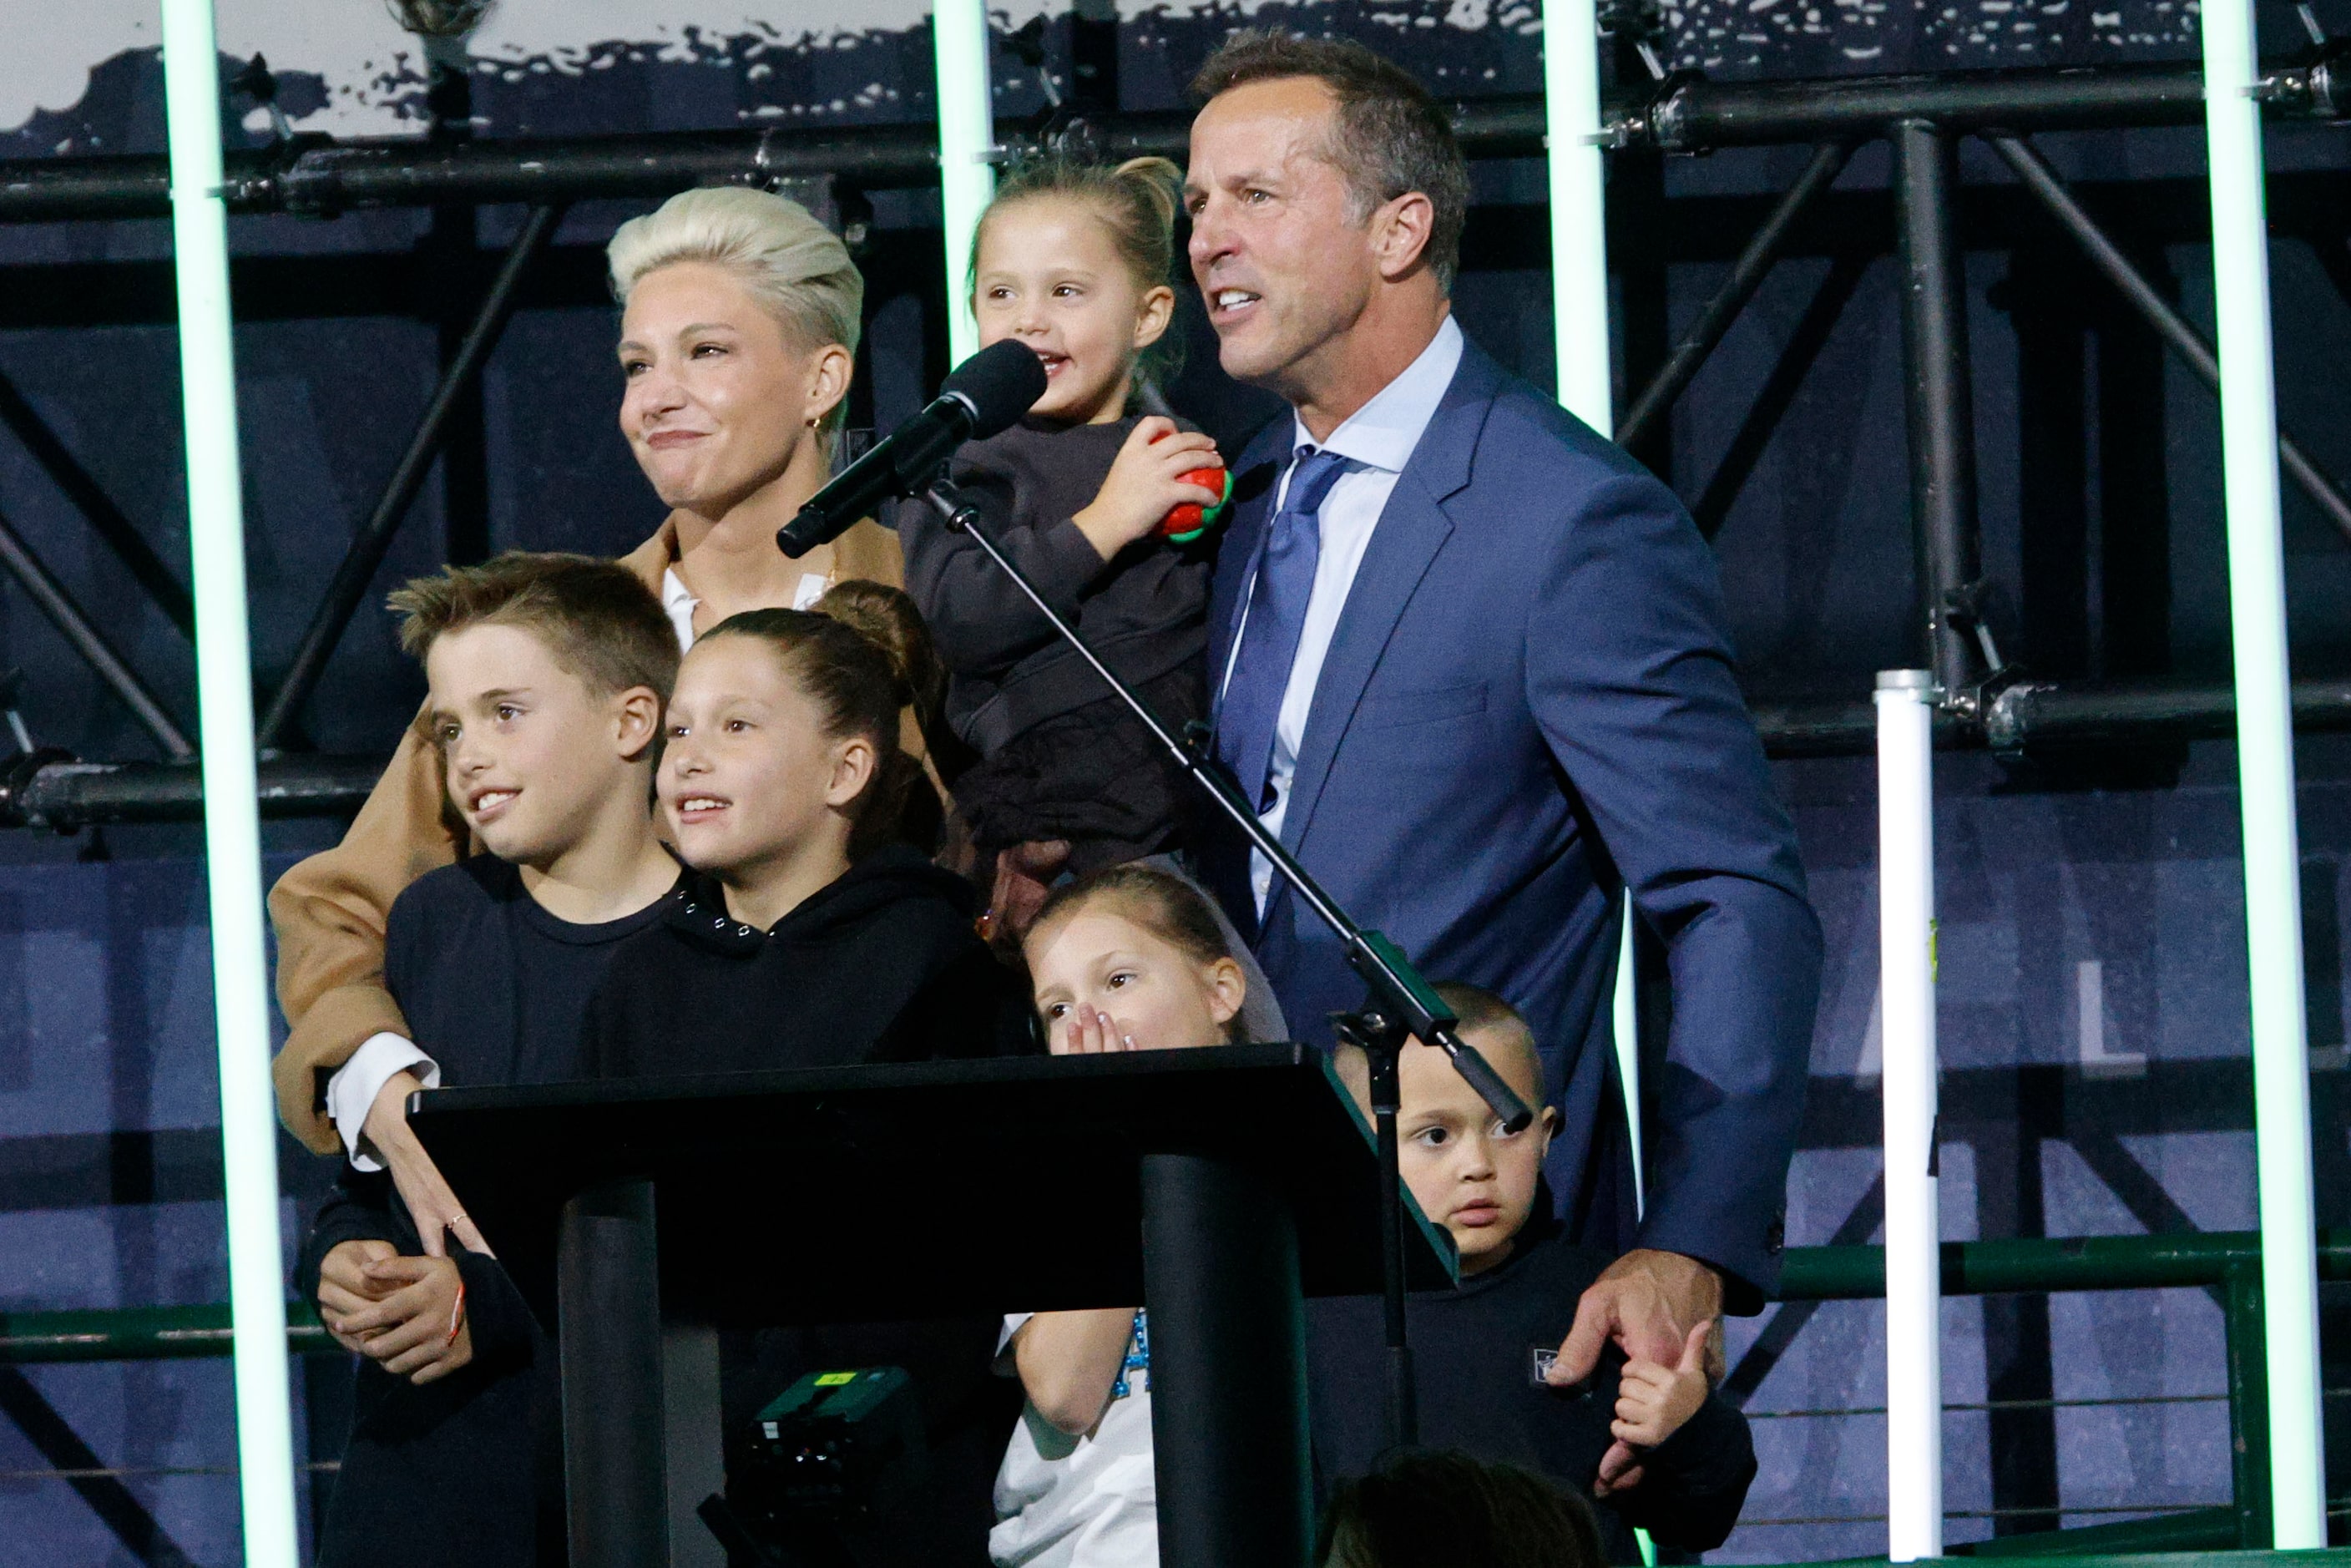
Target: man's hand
{"type": "Point", "coordinates": [1647, 1302]}
{"type": "Point", "coordinates": [1652, 1304]}
{"type": "Point", "coordinates": [430, 1201]}
{"type": "Point", "coordinates": [345, 1287]}
{"type": "Point", "coordinates": [417, 1330]}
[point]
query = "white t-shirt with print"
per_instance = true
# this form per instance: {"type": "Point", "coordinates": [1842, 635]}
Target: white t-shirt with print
{"type": "Point", "coordinates": [1077, 1502]}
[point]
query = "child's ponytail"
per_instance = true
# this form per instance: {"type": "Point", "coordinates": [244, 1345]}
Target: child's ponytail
{"type": "Point", "coordinates": [865, 658]}
{"type": "Point", "coordinates": [1137, 203]}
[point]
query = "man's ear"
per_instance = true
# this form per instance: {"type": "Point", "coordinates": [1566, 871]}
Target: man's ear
{"type": "Point", "coordinates": [1400, 231]}
{"type": "Point", "coordinates": [852, 769]}
{"type": "Point", "coordinates": [637, 716]}
{"type": "Point", "coordinates": [1547, 1120]}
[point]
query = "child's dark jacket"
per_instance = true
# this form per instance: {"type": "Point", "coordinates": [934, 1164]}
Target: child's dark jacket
{"type": "Point", "coordinates": [1474, 1362]}
{"type": "Point", "coordinates": [1059, 757]}
{"type": "Point", "coordinates": [881, 966]}
{"type": "Point", "coordinates": [461, 1471]}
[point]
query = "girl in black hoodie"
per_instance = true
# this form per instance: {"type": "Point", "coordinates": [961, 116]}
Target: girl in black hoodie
{"type": "Point", "coordinates": [1073, 260]}
{"type": "Point", "coordinates": [813, 934]}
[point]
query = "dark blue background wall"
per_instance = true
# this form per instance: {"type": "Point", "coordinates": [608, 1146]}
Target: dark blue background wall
{"type": "Point", "coordinates": [2095, 1036]}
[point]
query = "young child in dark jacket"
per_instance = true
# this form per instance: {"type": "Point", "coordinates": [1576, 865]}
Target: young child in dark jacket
{"type": "Point", "coordinates": [1657, 1447]}
{"type": "Point", "coordinates": [1073, 260]}
{"type": "Point", "coordinates": [812, 935]}
{"type": "Point", "coordinates": [548, 674]}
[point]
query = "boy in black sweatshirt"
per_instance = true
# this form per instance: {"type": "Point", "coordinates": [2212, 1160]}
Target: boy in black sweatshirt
{"type": "Point", "coordinates": [547, 676]}
{"type": "Point", "coordinates": [1480, 1350]}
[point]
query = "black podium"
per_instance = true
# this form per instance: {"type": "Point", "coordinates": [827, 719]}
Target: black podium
{"type": "Point", "coordinates": [1216, 1186]}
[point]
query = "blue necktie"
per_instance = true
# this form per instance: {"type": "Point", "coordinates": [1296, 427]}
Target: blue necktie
{"type": "Point", "coordinates": [1276, 615]}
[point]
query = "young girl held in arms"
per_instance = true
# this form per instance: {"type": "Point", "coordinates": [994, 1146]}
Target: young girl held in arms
{"type": "Point", "coordinates": [1074, 261]}
{"type": "Point", "coordinates": [1129, 959]}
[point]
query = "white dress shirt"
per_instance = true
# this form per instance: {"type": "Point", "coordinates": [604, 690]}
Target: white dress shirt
{"type": "Point", "coordinates": [1378, 438]}
{"type": "Point", "coordinates": [352, 1088]}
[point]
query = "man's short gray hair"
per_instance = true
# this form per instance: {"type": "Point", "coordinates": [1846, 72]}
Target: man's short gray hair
{"type": "Point", "coordinates": [1393, 135]}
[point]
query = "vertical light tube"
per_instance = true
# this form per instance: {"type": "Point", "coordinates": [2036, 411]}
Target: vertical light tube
{"type": "Point", "coordinates": [256, 1266]}
{"type": "Point", "coordinates": [1579, 236]}
{"type": "Point", "coordinates": [2241, 287]}
{"type": "Point", "coordinates": [1906, 957]}
{"type": "Point", "coordinates": [959, 46]}
{"type": "Point", "coordinates": [1579, 339]}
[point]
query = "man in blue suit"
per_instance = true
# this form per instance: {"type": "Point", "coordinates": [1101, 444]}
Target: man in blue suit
{"type": "Point", "coordinates": [1469, 664]}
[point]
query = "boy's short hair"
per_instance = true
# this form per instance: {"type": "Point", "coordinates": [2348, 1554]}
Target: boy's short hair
{"type": "Point", "coordinates": [1495, 1018]}
{"type": "Point", "coordinates": [1477, 1010]}
{"type": "Point", "coordinates": [597, 617]}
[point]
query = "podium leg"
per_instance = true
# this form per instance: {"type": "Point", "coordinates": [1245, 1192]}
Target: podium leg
{"type": "Point", "coordinates": [608, 1305]}
{"type": "Point", "coordinates": [1228, 1367]}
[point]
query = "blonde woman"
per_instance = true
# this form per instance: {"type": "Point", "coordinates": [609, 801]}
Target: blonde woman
{"type": "Point", "coordinates": [739, 315]}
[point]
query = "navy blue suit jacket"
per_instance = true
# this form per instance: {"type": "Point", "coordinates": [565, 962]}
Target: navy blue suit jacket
{"type": "Point", "coordinates": [1528, 708]}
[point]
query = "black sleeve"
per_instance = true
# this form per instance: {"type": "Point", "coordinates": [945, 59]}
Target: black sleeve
{"type": "Point", "coordinates": [982, 624]}
{"type": "Point", "coordinates": [495, 1309]}
{"type": "Point", "coordinates": [1695, 1482]}
{"type": "Point", "coordinates": [360, 1211]}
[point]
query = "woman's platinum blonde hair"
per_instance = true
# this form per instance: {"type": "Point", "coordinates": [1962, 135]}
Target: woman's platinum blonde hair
{"type": "Point", "coordinates": [796, 267]}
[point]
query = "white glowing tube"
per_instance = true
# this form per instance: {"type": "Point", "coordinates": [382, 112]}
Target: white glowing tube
{"type": "Point", "coordinates": [1579, 292]}
{"type": "Point", "coordinates": [959, 43]}
{"type": "Point", "coordinates": [1579, 237]}
{"type": "Point", "coordinates": [2241, 286]}
{"type": "Point", "coordinates": [1914, 1274]}
{"type": "Point", "coordinates": [256, 1266]}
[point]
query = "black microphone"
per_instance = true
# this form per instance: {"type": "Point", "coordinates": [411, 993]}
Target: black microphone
{"type": "Point", "coordinates": [988, 392]}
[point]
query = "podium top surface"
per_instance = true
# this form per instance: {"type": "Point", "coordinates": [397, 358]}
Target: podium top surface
{"type": "Point", "coordinates": [921, 1189]}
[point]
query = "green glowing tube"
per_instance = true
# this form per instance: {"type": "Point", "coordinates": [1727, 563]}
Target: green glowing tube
{"type": "Point", "coordinates": [257, 1269]}
{"type": "Point", "coordinates": [2241, 286]}
{"type": "Point", "coordinates": [959, 46]}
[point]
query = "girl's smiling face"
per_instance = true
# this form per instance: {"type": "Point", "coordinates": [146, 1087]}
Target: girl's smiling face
{"type": "Point", "coordinates": [750, 778]}
{"type": "Point", "coordinates": [1155, 995]}
{"type": "Point", "coordinates": [1050, 276]}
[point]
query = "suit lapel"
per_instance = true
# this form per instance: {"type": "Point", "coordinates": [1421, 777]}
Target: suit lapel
{"type": "Point", "coordinates": [1412, 529]}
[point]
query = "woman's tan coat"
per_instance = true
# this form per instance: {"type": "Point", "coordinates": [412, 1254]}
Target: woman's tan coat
{"type": "Point", "coordinates": [328, 912]}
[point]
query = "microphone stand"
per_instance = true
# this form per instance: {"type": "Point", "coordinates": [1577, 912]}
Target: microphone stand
{"type": "Point", "coordinates": [1400, 1005]}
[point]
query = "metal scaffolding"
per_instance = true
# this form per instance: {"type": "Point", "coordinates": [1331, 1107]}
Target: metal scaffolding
{"type": "Point", "coordinates": [1975, 700]}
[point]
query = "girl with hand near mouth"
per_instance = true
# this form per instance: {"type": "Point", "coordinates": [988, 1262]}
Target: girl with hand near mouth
{"type": "Point", "coordinates": [1074, 261]}
{"type": "Point", "coordinates": [1129, 959]}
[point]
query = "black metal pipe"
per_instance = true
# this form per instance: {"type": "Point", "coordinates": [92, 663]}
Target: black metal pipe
{"type": "Point", "coordinates": [87, 641]}
{"type": "Point", "coordinates": [57, 792]}
{"type": "Point", "coordinates": [1747, 276]}
{"type": "Point", "coordinates": [1688, 114]}
{"type": "Point", "coordinates": [2174, 328]}
{"type": "Point", "coordinates": [50, 790]}
{"type": "Point", "coordinates": [1695, 115]}
{"type": "Point", "coordinates": [374, 539]}
{"type": "Point", "coordinates": [1939, 405]}
{"type": "Point", "coordinates": [98, 508]}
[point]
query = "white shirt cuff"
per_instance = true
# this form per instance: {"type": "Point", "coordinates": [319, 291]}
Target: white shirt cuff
{"type": "Point", "coordinates": [351, 1092]}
